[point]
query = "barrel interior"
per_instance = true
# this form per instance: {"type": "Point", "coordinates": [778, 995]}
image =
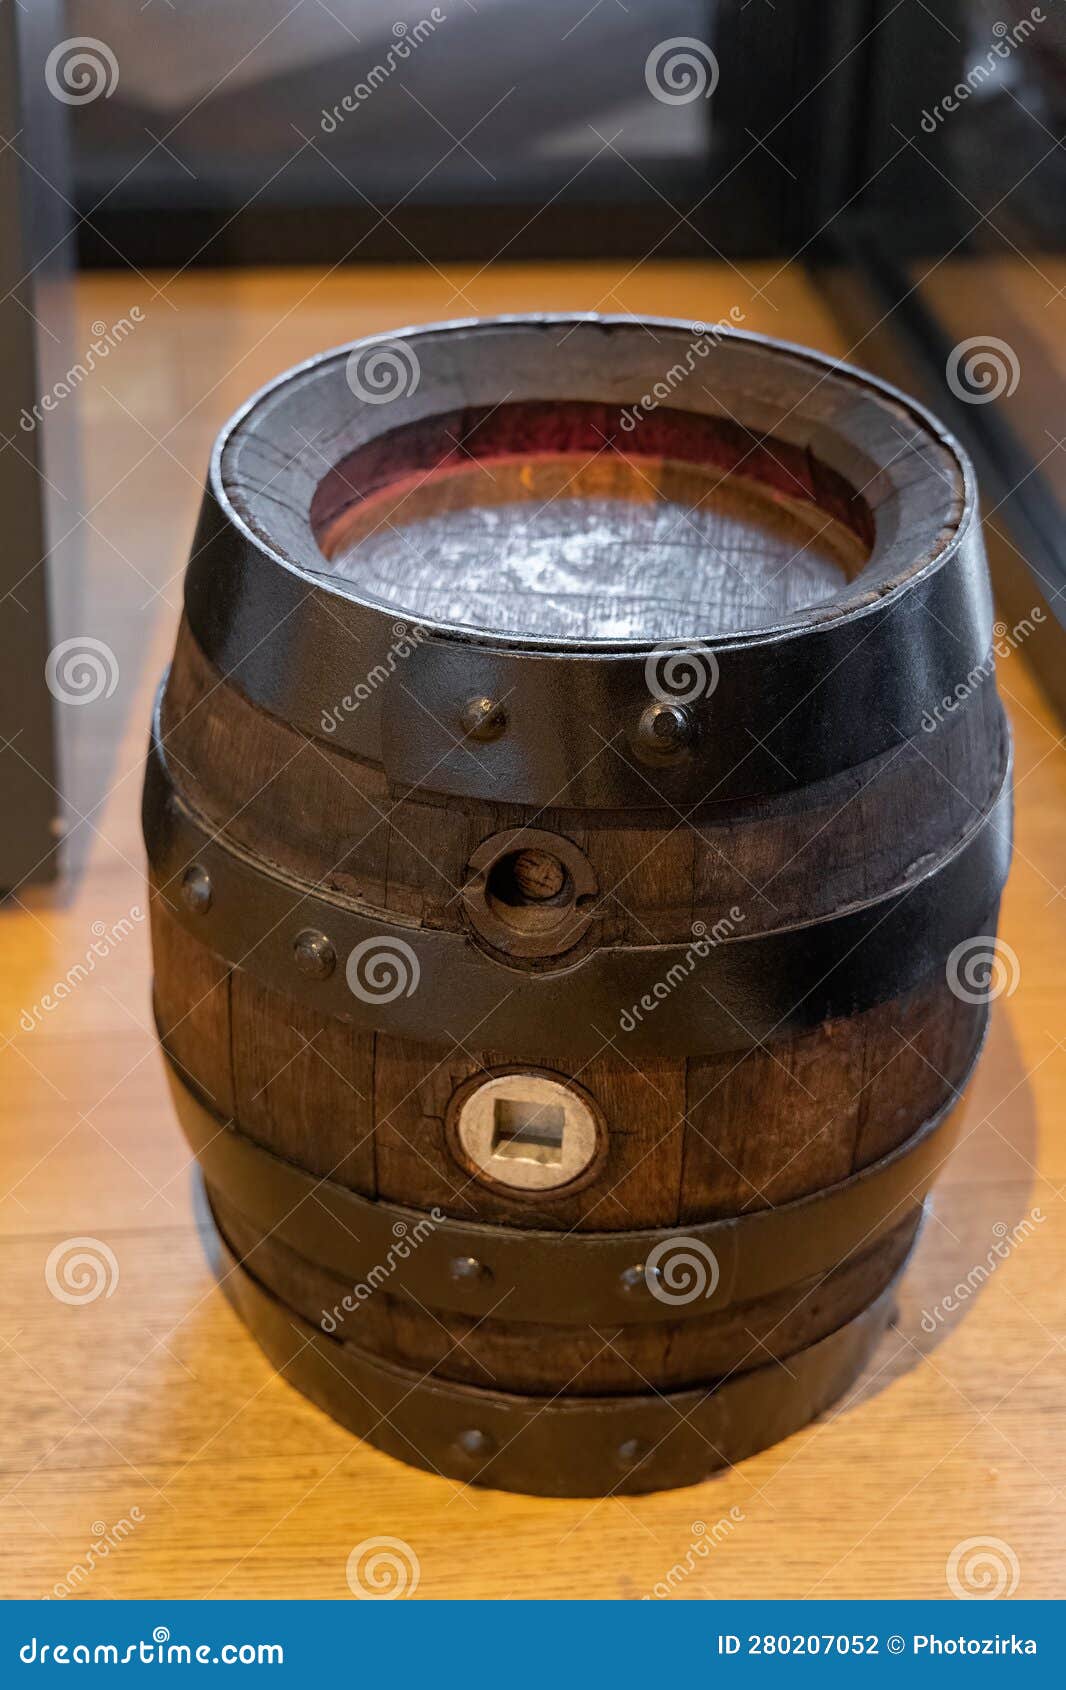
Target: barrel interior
{"type": "Point", "coordinates": [583, 521]}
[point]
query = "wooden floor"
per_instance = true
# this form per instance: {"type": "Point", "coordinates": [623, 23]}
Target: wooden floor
{"type": "Point", "coordinates": [149, 1410]}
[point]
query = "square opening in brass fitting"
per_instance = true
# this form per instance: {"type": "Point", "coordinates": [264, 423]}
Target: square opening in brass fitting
{"type": "Point", "coordinates": [528, 1132]}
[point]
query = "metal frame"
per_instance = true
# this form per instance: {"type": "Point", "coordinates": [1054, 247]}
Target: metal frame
{"type": "Point", "coordinates": [34, 253]}
{"type": "Point", "coordinates": [1026, 544]}
{"type": "Point", "coordinates": [880, 204]}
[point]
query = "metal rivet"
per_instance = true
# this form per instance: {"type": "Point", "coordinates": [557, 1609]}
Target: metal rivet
{"type": "Point", "coordinates": [633, 1451]}
{"type": "Point", "coordinates": [467, 1270]}
{"type": "Point", "coordinates": [483, 719]}
{"type": "Point", "coordinates": [474, 1442]}
{"type": "Point", "coordinates": [635, 1279]}
{"type": "Point", "coordinates": [196, 889]}
{"type": "Point", "coordinates": [665, 728]}
{"type": "Point", "coordinates": [313, 954]}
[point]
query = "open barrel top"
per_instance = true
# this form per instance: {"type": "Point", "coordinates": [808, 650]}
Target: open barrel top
{"type": "Point", "coordinates": [555, 509]}
{"type": "Point", "coordinates": [555, 519]}
{"type": "Point", "coordinates": [600, 480]}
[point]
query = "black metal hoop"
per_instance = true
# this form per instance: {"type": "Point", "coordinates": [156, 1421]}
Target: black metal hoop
{"type": "Point", "coordinates": [724, 997]}
{"type": "Point", "coordinates": [754, 1255]}
{"type": "Point", "coordinates": [573, 1446]}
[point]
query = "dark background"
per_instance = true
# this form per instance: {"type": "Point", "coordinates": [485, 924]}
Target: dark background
{"type": "Point", "coordinates": [516, 129]}
{"type": "Point", "coordinates": [522, 129]}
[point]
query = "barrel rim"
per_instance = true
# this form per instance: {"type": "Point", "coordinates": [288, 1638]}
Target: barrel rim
{"type": "Point", "coordinates": [795, 625]}
{"type": "Point", "coordinates": [755, 713]}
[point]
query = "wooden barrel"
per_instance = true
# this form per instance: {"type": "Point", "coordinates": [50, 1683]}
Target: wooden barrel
{"type": "Point", "coordinates": [577, 812]}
